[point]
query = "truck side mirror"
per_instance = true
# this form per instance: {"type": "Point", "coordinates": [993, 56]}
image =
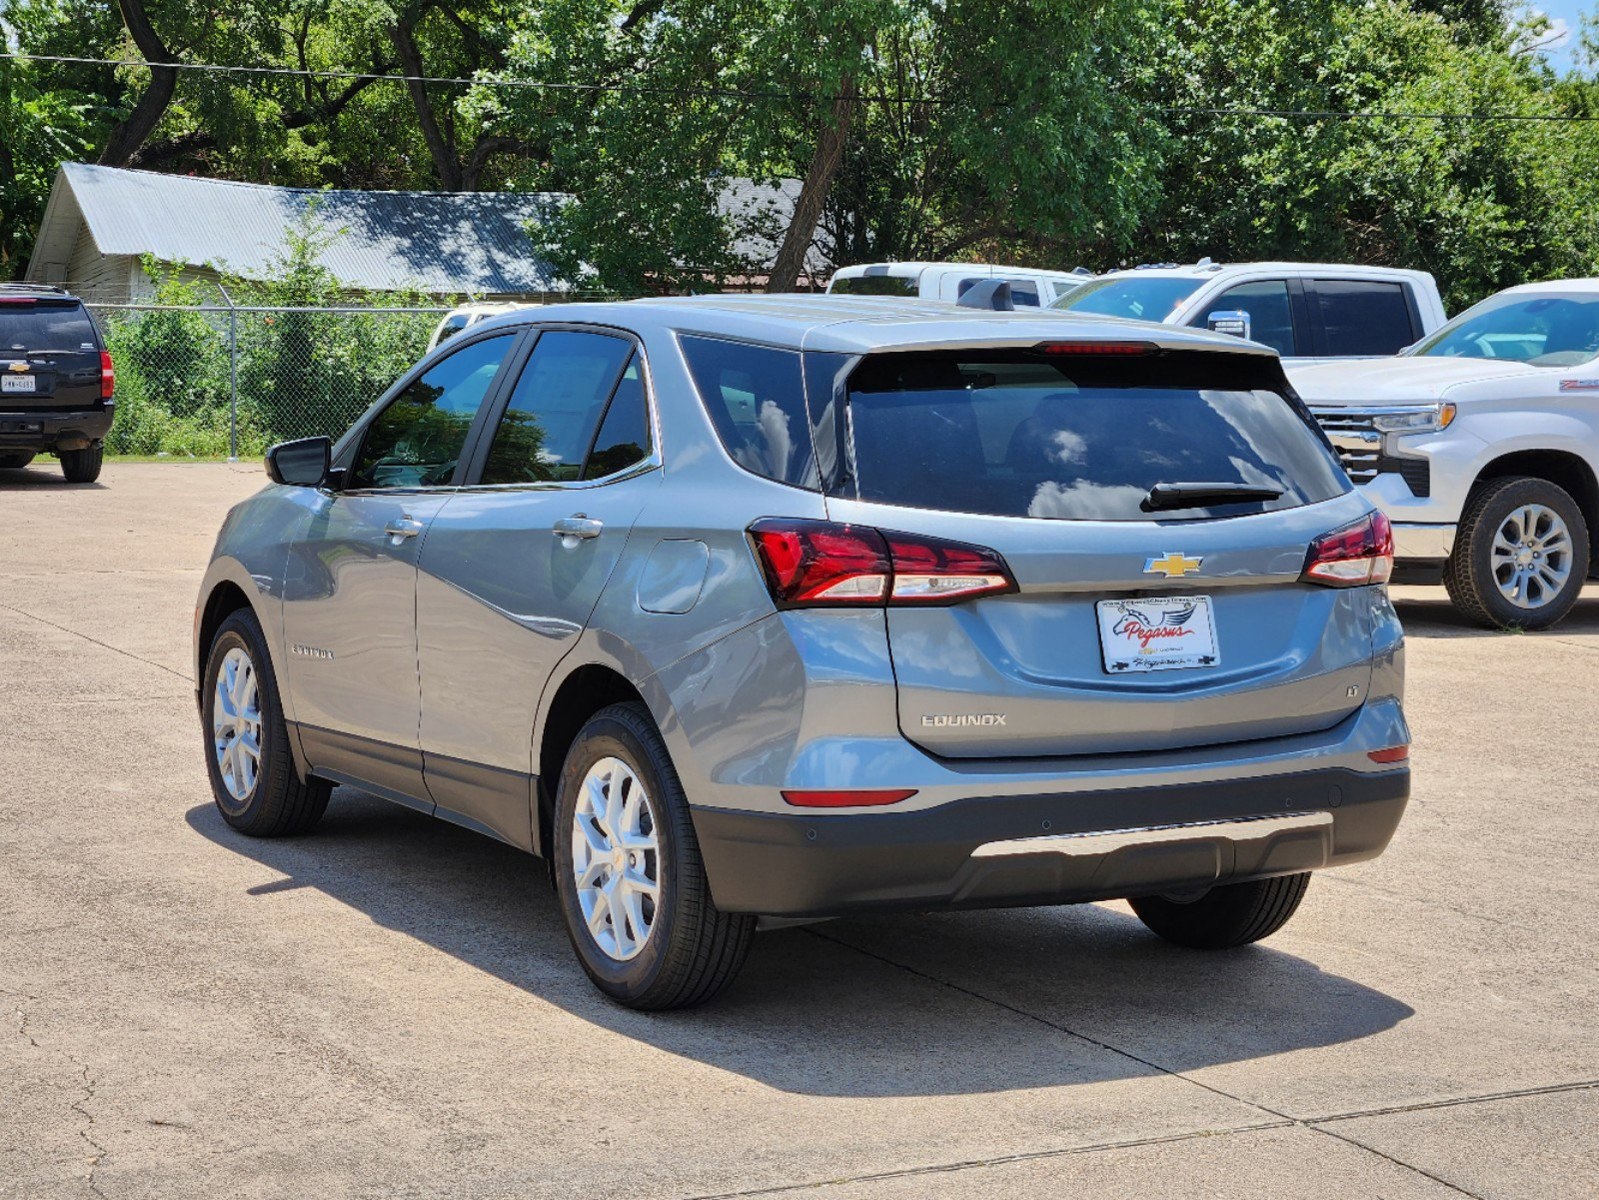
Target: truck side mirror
{"type": "Point", "coordinates": [1234, 322]}
{"type": "Point", "coordinates": [303, 463]}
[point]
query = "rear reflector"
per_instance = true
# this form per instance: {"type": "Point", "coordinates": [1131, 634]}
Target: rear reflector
{"type": "Point", "coordinates": [1393, 754]}
{"type": "Point", "coordinates": [1357, 554]}
{"type": "Point", "coordinates": [108, 376]}
{"type": "Point", "coordinates": [821, 563]}
{"type": "Point", "coordinates": [1124, 348]}
{"type": "Point", "coordinates": [848, 799]}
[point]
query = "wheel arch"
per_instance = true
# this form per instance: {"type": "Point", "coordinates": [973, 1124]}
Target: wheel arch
{"type": "Point", "coordinates": [1564, 468]}
{"type": "Point", "coordinates": [222, 601]}
{"type": "Point", "coordinates": [583, 692]}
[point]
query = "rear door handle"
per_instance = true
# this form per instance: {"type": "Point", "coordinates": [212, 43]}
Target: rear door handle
{"type": "Point", "coordinates": [401, 528]}
{"type": "Point", "coordinates": [577, 527]}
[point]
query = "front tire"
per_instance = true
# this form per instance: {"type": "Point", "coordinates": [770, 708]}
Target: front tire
{"type": "Point", "coordinates": [1220, 918]}
{"type": "Point", "coordinates": [247, 742]}
{"type": "Point", "coordinates": [1521, 555]}
{"type": "Point", "coordinates": [628, 871]}
{"type": "Point", "coordinates": [83, 466]}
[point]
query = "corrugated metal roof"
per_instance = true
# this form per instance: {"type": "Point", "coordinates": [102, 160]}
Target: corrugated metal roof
{"type": "Point", "coordinates": [434, 241]}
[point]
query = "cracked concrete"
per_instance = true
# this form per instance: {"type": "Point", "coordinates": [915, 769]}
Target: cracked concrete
{"type": "Point", "coordinates": [389, 1007]}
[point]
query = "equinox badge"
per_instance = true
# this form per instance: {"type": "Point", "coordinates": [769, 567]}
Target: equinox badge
{"type": "Point", "coordinates": [961, 720]}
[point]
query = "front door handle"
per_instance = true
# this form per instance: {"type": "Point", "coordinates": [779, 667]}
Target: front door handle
{"type": "Point", "coordinates": [577, 527]}
{"type": "Point", "coordinates": [401, 528]}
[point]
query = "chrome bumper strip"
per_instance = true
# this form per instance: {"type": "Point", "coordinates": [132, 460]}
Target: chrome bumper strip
{"type": "Point", "coordinates": [1076, 845]}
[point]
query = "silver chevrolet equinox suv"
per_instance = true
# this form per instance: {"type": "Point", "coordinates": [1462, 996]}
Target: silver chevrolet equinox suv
{"type": "Point", "coordinates": [747, 610]}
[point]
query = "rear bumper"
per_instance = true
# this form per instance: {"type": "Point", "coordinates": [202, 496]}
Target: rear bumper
{"type": "Point", "coordinates": [990, 852]}
{"type": "Point", "coordinates": [23, 429]}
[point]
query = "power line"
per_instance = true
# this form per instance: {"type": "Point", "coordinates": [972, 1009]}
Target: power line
{"type": "Point", "coordinates": [743, 94]}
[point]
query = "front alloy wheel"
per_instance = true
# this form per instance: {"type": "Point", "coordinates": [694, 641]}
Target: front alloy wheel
{"type": "Point", "coordinates": [1521, 554]}
{"type": "Point", "coordinates": [236, 724]}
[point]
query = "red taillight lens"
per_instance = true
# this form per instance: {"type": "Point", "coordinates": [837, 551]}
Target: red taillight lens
{"type": "Point", "coordinates": [811, 563]}
{"type": "Point", "coordinates": [847, 799]}
{"type": "Point", "coordinates": [1392, 754]}
{"type": "Point", "coordinates": [818, 562]}
{"type": "Point", "coordinates": [108, 376]}
{"type": "Point", "coordinates": [1357, 554]}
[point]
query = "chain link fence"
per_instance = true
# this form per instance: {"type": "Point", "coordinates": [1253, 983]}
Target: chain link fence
{"type": "Point", "coordinates": [213, 380]}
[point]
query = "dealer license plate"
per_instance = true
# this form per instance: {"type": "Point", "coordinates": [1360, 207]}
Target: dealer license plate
{"type": "Point", "coordinates": [17, 383]}
{"type": "Point", "coordinates": [1164, 633]}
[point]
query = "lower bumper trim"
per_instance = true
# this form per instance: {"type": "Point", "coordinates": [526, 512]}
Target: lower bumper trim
{"type": "Point", "coordinates": [1094, 845]}
{"type": "Point", "coordinates": [1423, 541]}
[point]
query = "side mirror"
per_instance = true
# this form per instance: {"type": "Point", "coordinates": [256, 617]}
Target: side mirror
{"type": "Point", "coordinates": [1234, 322]}
{"type": "Point", "coordinates": [303, 463]}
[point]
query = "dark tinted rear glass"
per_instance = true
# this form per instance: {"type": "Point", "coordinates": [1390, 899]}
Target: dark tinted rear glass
{"type": "Point", "coordinates": [1020, 436]}
{"type": "Point", "coordinates": [755, 396]}
{"type": "Point", "coordinates": [1363, 318]}
{"type": "Point", "coordinates": [46, 326]}
{"type": "Point", "coordinates": [873, 285]}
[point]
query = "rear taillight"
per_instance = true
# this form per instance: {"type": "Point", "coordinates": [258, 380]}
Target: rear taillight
{"type": "Point", "coordinates": [108, 376]}
{"type": "Point", "coordinates": [1352, 556]}
{"type": "Point", "coordinates": [820, 563]}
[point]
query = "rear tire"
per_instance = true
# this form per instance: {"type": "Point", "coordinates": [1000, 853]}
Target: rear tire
{"type": "Point", "coordinates": [1481, 575]}
{"type": "Point", "coordinates": [247, 753]}
{"type": "Point", "coordinates": [82, 466]}
{"type": "Point", "coordinates": [1233, 914]}
{"type": "Point", "coordinates": [632, 884]}
{"type": "Point", "coordinates": [15, 461]}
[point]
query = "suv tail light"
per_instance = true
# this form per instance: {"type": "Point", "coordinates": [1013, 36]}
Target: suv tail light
{"type": "Point", "coordinates": [108, 376]}
{"type": "Point", "coordinates": [821, 563]}
{"type": "Point", "coordinates": [1357, 554]}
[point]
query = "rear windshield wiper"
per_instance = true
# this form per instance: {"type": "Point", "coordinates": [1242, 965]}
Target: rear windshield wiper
{"type": "Point", "coordinates": [1200, 495]}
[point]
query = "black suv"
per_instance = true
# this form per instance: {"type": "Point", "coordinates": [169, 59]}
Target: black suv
{"type": "Point", "coordinates": [56, 381]}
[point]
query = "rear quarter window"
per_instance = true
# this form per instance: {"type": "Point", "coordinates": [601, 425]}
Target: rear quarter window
{"type": "Point", "coordinates": [1016, 435]}
{"type": "Point", "coordinates": [755, 396]}
{"type": "Point", "coordinates": [873, 285]}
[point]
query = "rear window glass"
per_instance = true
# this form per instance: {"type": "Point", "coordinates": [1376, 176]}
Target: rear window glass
{"type": "Point", "coordinates": [873, 285]}
{"type": "Point", "coordinates": [755, 396]}
{"type": "Point", "coordinates": [46, 327]}
{"type": "Point", "coordinates": [1140, 297]}
{"type": "Point", "coordinates": [1018, 436]}
{"type": "Point", "coordinates": [1023, 293]}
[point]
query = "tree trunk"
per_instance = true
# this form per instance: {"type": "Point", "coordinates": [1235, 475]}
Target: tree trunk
{"type": "Point", "coordinates": [813, 191]}
{"type": "Point", "coordinates": [445, 161]}
{"type": "Point", "coordinates": [139, 124]}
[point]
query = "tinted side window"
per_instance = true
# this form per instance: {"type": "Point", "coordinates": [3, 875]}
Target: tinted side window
{"type": "Point", "coordinates": [1363, 318]}
{"type": "Point", "coordinates": [756, 399]}
{"type": "Point", "coordinates": [873, 285]}
{"type": "Point", "coordinates": [545, 432]}
{"type": "Point", "coordinates": [624, 436]}
{"type": "Point", "coordinates": [1270, 317]}
{"type": "Point", "coordinates": [416, 441]}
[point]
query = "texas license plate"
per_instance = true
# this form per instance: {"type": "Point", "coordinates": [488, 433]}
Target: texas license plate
{"type": "Point", "coordinates": [1165, 633]}
{"type": "Point", "coordinates": [17, 383]}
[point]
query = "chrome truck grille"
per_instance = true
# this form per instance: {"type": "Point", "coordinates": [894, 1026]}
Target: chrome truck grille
{"type": "Point", "coordinates": [1354, 435]}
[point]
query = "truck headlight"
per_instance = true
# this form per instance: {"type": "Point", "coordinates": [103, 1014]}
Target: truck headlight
{"type": "Point", "coordinates": [1423, 418]}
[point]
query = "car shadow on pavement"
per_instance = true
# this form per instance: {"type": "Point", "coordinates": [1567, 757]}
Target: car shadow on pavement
{"type": "Point", "coordinates": [42, 475]}
{"type": "Point", "coordinates": [912, 1004]}
{"type": "Point", "coordinates": [1436, 617]}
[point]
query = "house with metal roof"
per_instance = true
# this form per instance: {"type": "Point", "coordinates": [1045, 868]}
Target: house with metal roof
{"type": "Point", "coordinates": [101, 222]}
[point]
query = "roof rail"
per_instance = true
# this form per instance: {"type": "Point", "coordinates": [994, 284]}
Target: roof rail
{"type": "Point", "coordinates": [33, 287]}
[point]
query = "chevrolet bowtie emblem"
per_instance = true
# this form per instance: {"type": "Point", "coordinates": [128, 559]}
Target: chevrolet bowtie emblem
{"type": "Point", "coordinates": [17, 366]}
{"type": "Point", "coordinates": [1172, 565]}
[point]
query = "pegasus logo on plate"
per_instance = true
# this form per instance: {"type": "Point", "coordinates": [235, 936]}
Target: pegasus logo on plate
{"type": "Point", "coordinates": [1172, 565]}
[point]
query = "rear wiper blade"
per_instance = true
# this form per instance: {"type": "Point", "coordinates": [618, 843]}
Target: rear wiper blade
{"type": "Point", "coordinates": [1200, 495]}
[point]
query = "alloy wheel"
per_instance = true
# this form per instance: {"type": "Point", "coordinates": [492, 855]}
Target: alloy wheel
{"type": "Point", "coordinates": [1531, 556]}
{"type": "Point", "coordinates": [616, 859]}
{"type": "Point", "coordinates": [236, 724]}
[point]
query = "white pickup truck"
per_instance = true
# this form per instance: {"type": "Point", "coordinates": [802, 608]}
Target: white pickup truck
{"type": "Point", "coordinates": [1481, 443]}
{"type": "Point", "coordinates": [1304, 311]}
{"type": "Point", "coordinates": [1029, 286]}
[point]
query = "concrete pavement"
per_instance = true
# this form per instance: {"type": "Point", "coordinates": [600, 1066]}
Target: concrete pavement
{"type": "Point", "coordinates": [389, 1007]}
